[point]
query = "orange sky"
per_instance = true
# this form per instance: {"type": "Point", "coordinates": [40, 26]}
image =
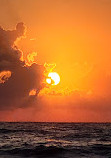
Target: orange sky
{"type": "Point", "coordinates": [76, 35]}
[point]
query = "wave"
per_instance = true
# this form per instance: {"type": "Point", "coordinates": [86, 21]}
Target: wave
{"type": "Point", "coordinates": [42, 150]}
{"type": "Point", "coordinates": [39, 150]}
{"type": "Point", "coordinates": [6, 131]}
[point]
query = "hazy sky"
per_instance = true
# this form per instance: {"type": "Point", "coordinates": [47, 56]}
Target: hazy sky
{"type": "Point", "coordinates": [76, 35]}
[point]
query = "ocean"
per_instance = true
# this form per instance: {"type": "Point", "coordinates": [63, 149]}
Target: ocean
{"type": "Point", "coordinates": [55, 140]}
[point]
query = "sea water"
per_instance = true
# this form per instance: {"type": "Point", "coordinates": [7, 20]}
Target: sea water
{"type": "Point", "coordinates": [55, 140]}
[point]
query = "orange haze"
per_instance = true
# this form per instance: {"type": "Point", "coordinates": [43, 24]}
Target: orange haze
{"type": "Point", "coordinates": [76, 35]}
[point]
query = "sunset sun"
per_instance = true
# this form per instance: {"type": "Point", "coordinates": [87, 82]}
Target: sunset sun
{"type": "Point", "coordinates": [53, 78]}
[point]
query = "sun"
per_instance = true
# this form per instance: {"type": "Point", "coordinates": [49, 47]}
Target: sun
{"type": "Point", "coordinates": [53, 78]}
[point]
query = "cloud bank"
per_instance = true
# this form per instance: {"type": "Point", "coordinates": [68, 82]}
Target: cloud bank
{"type": "Point", "coordinates": [16, 78]}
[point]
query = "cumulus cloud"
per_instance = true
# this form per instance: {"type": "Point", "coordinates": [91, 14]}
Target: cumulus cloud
{"type": "Point", "coordinates": [17, 78]}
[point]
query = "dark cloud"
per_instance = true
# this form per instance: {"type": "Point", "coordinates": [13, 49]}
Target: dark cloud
{"type": "Point", "coordinates": [15, 91]}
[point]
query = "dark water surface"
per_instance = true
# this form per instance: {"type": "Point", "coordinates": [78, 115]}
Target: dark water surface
{"type": "Point", "coordinates": [55, 140]}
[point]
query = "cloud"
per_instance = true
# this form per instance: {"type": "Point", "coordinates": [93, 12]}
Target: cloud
{"type": "Point", "coordinates": [17, 78]}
